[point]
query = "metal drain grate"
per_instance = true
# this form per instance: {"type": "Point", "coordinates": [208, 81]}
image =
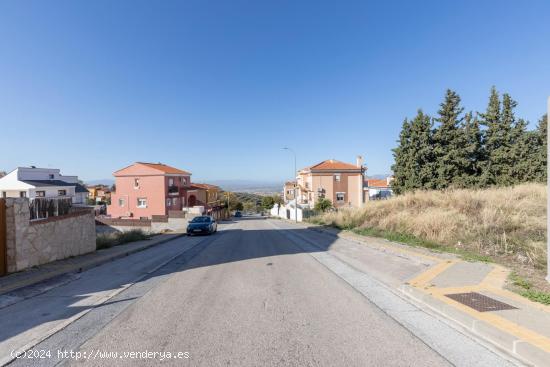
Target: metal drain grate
{"type": "Point", "coordinates": [479, 302]}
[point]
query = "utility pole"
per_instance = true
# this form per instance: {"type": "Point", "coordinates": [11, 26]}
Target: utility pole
{"type": "Point", "coordinates": [295, 186]}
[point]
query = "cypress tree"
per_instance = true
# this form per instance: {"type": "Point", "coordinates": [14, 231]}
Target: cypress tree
{"type": "Point", "coordinates": [413, 156]}
{"type": "Point", "coordinates": [523, 145]}
{"type": "Point", "coordinates": [490, 120]}
{"type": "Point", "coordinates": [473, 151]}
{"type": "Point", "coordinates": [494, 149]}
{"type": "Point", "coordinates": [505, 160]}
{"type": "Point", "coordinates": [539, 148]}
{"type": "Point", "coordinates": [421, 153]}
{"type": "Point", "coordinates": [451, 160]}
{"type": "Point", "coordinates": [401, 168]}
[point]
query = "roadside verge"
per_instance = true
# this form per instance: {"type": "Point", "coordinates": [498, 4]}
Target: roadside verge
{"type": "Point", "coordinates": [472, 296]}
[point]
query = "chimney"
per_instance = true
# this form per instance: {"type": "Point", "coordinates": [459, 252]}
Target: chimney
{"type": "Point", "coordinates": [359, 161]}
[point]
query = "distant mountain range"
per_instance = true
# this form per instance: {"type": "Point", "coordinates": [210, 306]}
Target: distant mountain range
{"type": "Point", "coordinates": [249, 186]}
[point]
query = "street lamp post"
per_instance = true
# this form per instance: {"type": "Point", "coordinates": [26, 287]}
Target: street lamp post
{"type": "Point", "coordinates": [295, 185]}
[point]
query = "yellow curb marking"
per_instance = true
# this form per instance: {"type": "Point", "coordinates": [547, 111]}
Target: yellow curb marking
{"type": "Point", "coordinates": [518, 298]}
{"type": "Point", "coordinates": [493, 282]}
{"type": "Point", "coordinates": [423, 279]}
{"type": "Point", "coordinates": [496, 277]}
{"type": "Point", "coordinates": [500, 323]}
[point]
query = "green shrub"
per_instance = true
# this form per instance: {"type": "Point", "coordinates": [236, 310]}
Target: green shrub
{"type": "Point", "coordinates": [537, 296]}
{"type": "Point", "coordinates": [519, 281]}
{"type": "Point", "coordinates": [322, 205]}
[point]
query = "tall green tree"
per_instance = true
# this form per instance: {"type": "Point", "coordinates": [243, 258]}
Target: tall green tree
{"type": "Point", "coordinates": [505, 156]}
{"type": "Point", "coordinates": [492, 148]}
{"type": "Point", "coordinates": [450, 157]}
{"type": "Point", "coordinates": [413, 167]}
{"type": "Point", "coordinates": [473, 151]}
{"type": "Point", "coordinates": [277, 199]}
{"type": "Point", "coordinates": [538, 148]}
{"type": "Point", "coordinates": [523, 145]}
{"type": "Point", "coordinates": [268, 202]}
{"type": "Point", "coordinates": [491, 121]}
{"type": "Point", "coordinates": [401, 167]}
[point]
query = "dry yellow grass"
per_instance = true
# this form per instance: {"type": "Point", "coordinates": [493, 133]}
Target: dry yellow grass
{"type": "Point", "coordinates": [509, 222]}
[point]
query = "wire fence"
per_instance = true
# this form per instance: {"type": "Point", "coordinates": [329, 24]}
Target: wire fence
{"type": "Point", "coordinates": [42, 208]}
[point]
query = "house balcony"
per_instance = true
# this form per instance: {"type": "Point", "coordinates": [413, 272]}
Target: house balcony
{"type": "Point", "coordinates": [173, 190]}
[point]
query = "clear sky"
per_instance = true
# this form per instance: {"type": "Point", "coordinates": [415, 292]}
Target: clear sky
{"type": "Point", "coordinates": [218, 87]}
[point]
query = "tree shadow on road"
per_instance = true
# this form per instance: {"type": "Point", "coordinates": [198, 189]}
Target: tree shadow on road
{"type": "Point", "coordinates": [226, 246]}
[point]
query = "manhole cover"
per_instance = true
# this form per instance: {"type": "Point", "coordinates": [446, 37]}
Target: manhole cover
{"type": "Point", "coordinates": [479, 302]}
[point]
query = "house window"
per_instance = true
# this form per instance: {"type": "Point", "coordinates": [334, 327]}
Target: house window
{"type": "Point", "coordinates": [51, 176]}
{"type": "Point", "coordinates": [40, 194]}
{"type": "Point", "coordinates": [22, 194]}
{"type": "Point", "coordinates": [171, 182]}
{"type": "Point", "coordinates": [183, 180]}
{"type": "Point", "coordinates": [337, 177]}
{"type": "Point", "coordinates": [61, 192]}
{"type": "Point", "coordinates": [175, 202]}
{"type": "Point", "coordinates": [340, 196]}
{"type": "Point", "coordinates": [168, 202]}
{"type": "Point", "coordinates": [142, 202]}
{"type": "Point", "coordinates": [120, 202]}
{"type": "Point", "coordinates": [136, 183]}
{"type": "Point", "coordinates": [307, 185]}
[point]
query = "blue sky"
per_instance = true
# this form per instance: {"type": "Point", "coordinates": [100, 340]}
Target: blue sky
{"type": "Point", "coordinates": [218, 87]}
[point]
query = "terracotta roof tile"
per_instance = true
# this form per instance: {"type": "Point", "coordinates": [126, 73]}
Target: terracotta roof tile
{"type": "Point", "coordinates": [372, 182]}
{"type": "Point", "coordinates": [164, 168]}
{"type": "Point", "coordinates": [205, 186]}
{"type": "Point", "coordinates": [332, 164]}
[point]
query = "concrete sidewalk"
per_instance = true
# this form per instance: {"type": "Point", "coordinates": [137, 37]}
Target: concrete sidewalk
{"type": "Point", "coordinates": [472, 296]}
{"type": "Point", "coordinates": [54, 269]}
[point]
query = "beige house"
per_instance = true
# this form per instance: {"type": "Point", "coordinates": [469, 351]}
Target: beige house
{"type": "Point", "coordinates": [340, 182]}
{"type": "Point", "coordinates": [288, 191]}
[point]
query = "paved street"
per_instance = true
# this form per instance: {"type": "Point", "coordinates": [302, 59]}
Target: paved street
{"type": "Point", "coordinates": [259, 292]}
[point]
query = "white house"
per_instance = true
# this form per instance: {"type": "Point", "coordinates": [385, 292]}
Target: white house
{"type": "Point", "coordinates": [32, 182]}
{"type": "Point", "coordinates": [377, 189]}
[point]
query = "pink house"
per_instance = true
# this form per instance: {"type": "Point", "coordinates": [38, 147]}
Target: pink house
{"type": "Point", "coordinates": [147, 189]}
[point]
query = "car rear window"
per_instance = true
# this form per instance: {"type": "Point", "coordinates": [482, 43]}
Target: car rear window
{"type": "Point", "coordinates": [201, 220]}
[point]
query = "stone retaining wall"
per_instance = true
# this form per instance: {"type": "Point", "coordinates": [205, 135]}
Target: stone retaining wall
{"type": "Point", "coordinates": [31, 243]}
{"type": "Point", "coordinates": [175, 221]}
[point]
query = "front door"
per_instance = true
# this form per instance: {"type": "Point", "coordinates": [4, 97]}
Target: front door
{"type": "Point", "coordinates": [192, 200]}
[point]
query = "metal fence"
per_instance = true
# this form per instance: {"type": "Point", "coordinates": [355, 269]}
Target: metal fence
{"type": "Point", "coordinates": [42, 208]}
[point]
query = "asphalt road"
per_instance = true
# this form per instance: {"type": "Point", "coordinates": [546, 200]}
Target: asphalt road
{"type": "Point", "coordinates": [257, 293]}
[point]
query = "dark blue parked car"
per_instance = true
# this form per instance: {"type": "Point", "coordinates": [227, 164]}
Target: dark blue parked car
{"type": "Point", "coordinates": [202, 225]}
